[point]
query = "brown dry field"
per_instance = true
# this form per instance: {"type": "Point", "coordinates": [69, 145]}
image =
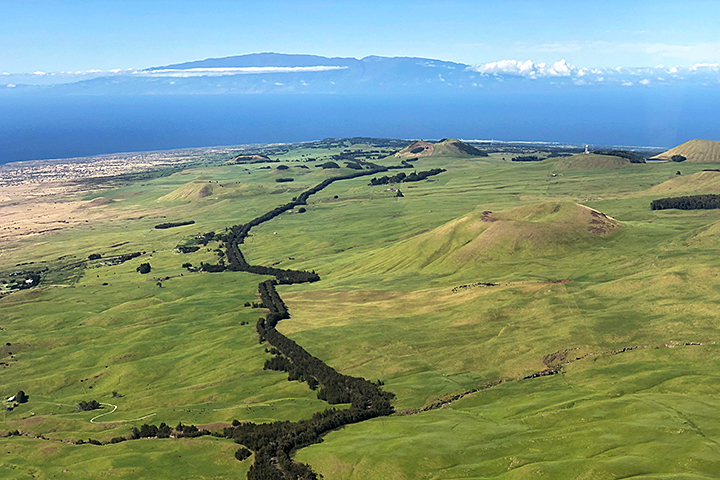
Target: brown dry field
{"type": "Point", "coordinates": [30, 210]}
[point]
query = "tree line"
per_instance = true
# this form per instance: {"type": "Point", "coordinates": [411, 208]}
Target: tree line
{"type": "Point", "coordinates": [632, 156]}
{"type": "Point", "coordinates": [403, 178]}
{"type": "Point", "coordinates": [691, 202]}
{"type": "Point", "coordinates": [162, 226]}
{"type": "Point", "coordinates": [273, 443]}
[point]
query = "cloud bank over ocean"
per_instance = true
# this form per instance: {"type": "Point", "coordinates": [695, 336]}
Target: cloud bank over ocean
{"type": "Point", "coordinates": [315, 74]}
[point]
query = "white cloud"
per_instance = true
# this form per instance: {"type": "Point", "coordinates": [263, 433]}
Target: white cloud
{"type": "Point", "coordinates": [705, 66]}
{"type": "Point", "coordinates": [217, 72]}
{"type": "Point", "coordinates": [644, 81]}
{"type": "Point", "coordinates": [526, 69]}
{"type": "Point", "coordinates": [505, 67]}
{"type": "Point", "coordinates": [39, 74]}
{"type": "Point", "coordinates": [10, 85]}
{"type": "Point", "coordinates": [5, 73]}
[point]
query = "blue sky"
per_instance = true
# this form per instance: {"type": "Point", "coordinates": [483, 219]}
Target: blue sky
{"type": "Point", "coordinates": [56, 36]}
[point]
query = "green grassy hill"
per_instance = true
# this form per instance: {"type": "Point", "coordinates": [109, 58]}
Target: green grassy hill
{"type": "Point", "coordinates": [589, 162]}
{"type": "Point", "coordinates": [697, 183]}
{"type": "Point", "coordinates": [469, 242]}
{"type": "Point", "coordinates": [454, 296]}
{"type": "Point", "coordinates": [696, 150]}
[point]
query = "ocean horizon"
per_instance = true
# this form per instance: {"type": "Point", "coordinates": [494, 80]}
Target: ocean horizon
{"type": "Point", "coordinates": [36, 126]}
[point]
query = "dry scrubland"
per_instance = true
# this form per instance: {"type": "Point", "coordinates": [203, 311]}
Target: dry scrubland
{"type": "Point", "coordinates": [451, 295]}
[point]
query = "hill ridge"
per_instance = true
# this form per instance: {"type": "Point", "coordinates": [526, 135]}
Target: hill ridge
{"type": "Point", "coordinates": [696, 150]}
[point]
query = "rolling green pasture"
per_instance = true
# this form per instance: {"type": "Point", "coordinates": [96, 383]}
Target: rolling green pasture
{"type": "Point", "coordinates": [386, 308]}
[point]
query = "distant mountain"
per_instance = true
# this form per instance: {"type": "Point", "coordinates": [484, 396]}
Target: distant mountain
{"type": "Point", "coordinates": [302, 74]}
{"type": "Point", "coordinates": [696, 150]}
{"type": "Point", "coordinates": [283, 73]}
{"type": "Point", "coordinates": [267, 59]}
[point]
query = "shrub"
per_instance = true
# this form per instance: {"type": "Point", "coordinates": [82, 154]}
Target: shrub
{"type": "Point", "coordinates": [144, 268]}
{"type": "Point", "coordinates": [678, 158]}
{"type": "Point", "coordinates": [87, 406]}
{"type": "Point", "coordinates": [94, 256]}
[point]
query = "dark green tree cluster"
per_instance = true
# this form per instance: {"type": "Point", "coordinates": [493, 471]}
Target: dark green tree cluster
{"type": "Point", "coordinates": [284, 180]}
{"type": "Point", "coordinates": [124, 258]}
{"type": "Point", "coordinates": [165, 431]}
{"type": "Point", "coordinates": [26, 281]}
{"type": "Point", "coordinates": [87, 406]}
{"type": "Point", "coordinates": [632, 156]}
{"type": "Point", "coordinates": [398, 178]}
{"type": "Point", "coordinates": [144, 268]}
{"type": "Point", "coordinates": [162, 226]}
{"type": "Point", "coordinates": [692, 202]}
{"type": "Point", "coordinates": [94, 256]}
{"type": "Point", "coordinates": [678, 158]}
{"type": "Point", "coordinates": [205, 238]}
{"type": "Point", "coordinates": [213, 268]}
{"type": "Point", "coordinates": [470, 150]}
{"type": "Point", "coordinates": [527, 158]}
{"type": "Point", "coordinates": [403, 178]}
{"type": "Point", "coordinates": [329, 165]}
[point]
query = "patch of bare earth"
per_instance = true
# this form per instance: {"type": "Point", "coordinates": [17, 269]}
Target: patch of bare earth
{"type": "Point", "coordinates": [36, 209]}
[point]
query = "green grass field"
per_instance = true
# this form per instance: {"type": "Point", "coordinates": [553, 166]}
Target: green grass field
{"type": "Point", "coordinates": [385, 309]}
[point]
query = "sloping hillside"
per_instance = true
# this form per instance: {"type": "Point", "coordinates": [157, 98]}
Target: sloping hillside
{"type": "Point", "coordinates": [190, 191]}
{"type": "Point", "coordinates": [481, 236]}
{"type": "Point", "coordinates": [697, 150]}
{"type": "Point", "coordinates": [590, 161]}
{"type": "Point", "coordinates": [418, 148]}
{"type": "Point", "coordinates": [453, 147]}
{"type": "Point", "coordinates": [700, 182]}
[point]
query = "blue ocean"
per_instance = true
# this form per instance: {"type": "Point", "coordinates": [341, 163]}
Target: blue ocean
{"type": "Point", "coordinates": [41, 126]}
